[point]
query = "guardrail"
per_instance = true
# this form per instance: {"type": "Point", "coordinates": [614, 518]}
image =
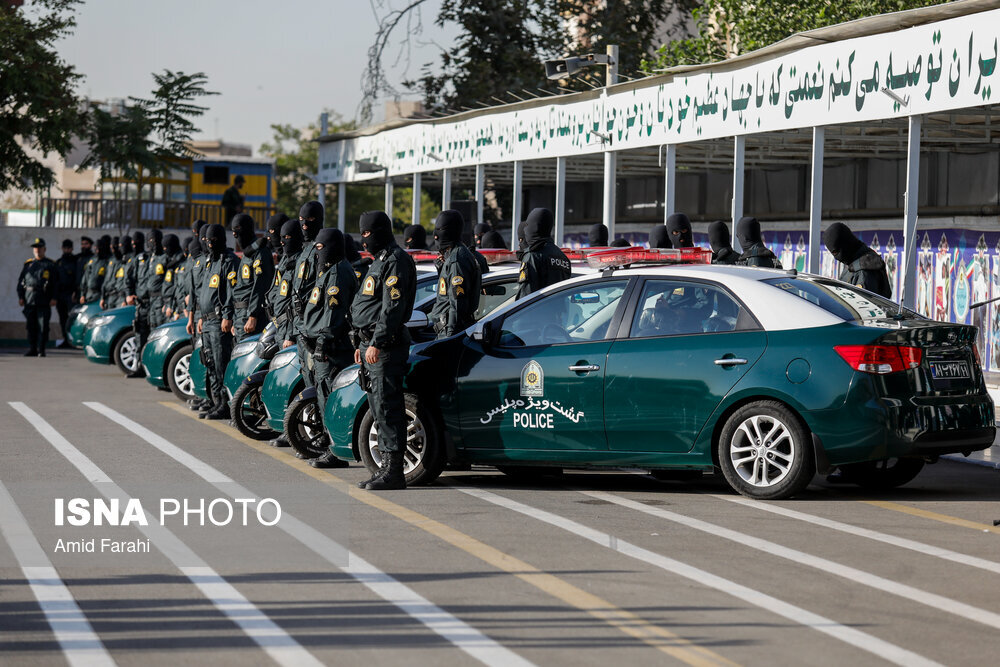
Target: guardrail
{"type": "Point", "coordinates": [121, 213]}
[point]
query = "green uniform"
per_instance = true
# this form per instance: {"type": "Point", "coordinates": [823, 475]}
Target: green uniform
{"type": "Point", "coordinates": [254, 277]}
{"type": "Point", "coordinates": [37, 286]}
{"type": "Point", "coordinates": [542, 265]}
{"type": "Point", "coordinates": [325, 326]}
{"type": "Point", "coordinates": [172, 296]}
{"type": "Point", "coordinates": [215, 302]}
{"type": "Point", "coordinates": [302, 285]}
{"type": "Point", "coordinates": [94, 275]}
{"type": "Point", "coordinates": [143, 277]}
{"type": "Point", "coordinates": [280, 297]}
{"type": "Point", "coordinates": [458, 290]}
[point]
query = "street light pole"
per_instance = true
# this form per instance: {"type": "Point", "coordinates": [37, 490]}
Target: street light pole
{"type": "Point", "coordinates": [610, 159]}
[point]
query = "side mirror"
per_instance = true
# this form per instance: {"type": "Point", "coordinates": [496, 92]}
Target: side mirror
{"type": "Point", "coordinates": [483, 333]}
{"type": "Point", "coordinates": [418, 320]}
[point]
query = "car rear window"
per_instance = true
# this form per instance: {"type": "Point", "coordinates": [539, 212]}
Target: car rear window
{"type": "Point", "coordinates": [845, 301]}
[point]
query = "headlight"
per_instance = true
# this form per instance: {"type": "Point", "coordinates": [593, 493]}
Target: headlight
{"type": "Point", "coordinates": [283, 359]}
{"type": "Point", "coordinates": [157, 334]}
{"type": "Point", "coordinates": [82, 318]}
{"type": "Point", "coordinates": [100, 321]}
{"type": "Point", "coordinates": [243, 349]}
{"type": "Point", "coordinates": [345, 377]}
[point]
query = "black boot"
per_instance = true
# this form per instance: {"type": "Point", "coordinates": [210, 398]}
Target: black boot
{"type": "Point", "coordinates": [393, 477]}
{"type": "Point", "coordinates": [280, 441]}
{"type": "Point", "coordinates": [221, 409]}
{"type": "Point", "coordinates": [378, 473]}
{"type": "Point", "coordinates": [328, 460]}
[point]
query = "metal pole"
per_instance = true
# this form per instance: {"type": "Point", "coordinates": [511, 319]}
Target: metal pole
{"type": "Point", "coordinates": [908, 282]}
{"type": "Point", "coordinates": [610, 158]}
{"type": "Point", "coordinates": [518, 204]}
{"type": "Point", "coordinates": [324, 126]}
{"type": "Point", "coordinates": [480, 191]}
{"type": "Point", "coordinates": [670, 183]}
{"type": "Point", "coordinates": [446, 190]}
{"type": "Point", "coordinates": [342, 207]}
{"type": "Point", "coordinates": [415, 216]}
{"type": "Point", "coordinates": [738, 161]}
{"type": "Point", "coordinates": [388, 197]}
{"type": "Point", "coordinates": [560, 231]}
{"type": "Point", "coordinates": [816, 201]}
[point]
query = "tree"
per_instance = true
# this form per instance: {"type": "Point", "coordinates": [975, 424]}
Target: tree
{"type": "Point", "coordinates": [171, 111]}
{"type": "Point", "coordinates": [39, 110]}
{"type": "Point", "coordinates": [728, 28]}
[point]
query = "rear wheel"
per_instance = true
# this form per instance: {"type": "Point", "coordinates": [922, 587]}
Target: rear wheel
{"type": "Point", "coordinates": [304, 428]}
{"type": "Point", "coordinates": [424, 458]}
{"type": "Point", "coordinates": [126, 353]}
{"type": "Point", "coordinates": [764, 451]}
{"type": "Point", "coordinates": [248, 413]}
{"type": "Point", "coordinates": [178, 373]}
{"type": "Point", "coordinates": [884, 474]}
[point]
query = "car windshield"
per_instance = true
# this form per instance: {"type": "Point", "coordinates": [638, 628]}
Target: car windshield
{"type": "Point", "coordinates": [845, 301]}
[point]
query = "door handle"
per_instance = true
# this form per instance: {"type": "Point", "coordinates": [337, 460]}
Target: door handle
{"type": "Point", "coordinates": [731, 361]}
{"type": "Point", "coordinates": [585, 368]}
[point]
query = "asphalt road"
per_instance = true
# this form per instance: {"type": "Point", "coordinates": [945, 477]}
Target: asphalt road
{"type": "Point", "coordinates": [588, 569]}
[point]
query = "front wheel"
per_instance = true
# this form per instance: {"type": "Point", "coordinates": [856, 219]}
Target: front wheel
{"type": "Point", "coordinates": [884, 474]}
{"type": "Point", "coordinates": [248, 413]}
{"type": "Point", "coordinates": [304, 428]}
{"type": "Point", "coordinates": [764, 451]}
{"type": "Point", "coordinates": [126, 353]}
{"type": "Point", "coordinates": [424, 457]}
{"type": "Point", "coordinates": [179, 373]}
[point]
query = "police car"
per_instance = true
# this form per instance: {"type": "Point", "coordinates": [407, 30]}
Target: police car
{"type": "Point", "coordinates": [665, 362]}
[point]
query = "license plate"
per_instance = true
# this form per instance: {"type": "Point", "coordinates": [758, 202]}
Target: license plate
{"type": "Point", "coordinates": [949, 370]}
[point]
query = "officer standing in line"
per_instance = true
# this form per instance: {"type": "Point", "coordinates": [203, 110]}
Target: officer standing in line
{"type": "Point", "coordinates": [108, 288]}
{"type": "Point", "coordinates": [353, 255]}
{"type": "Point", "coordinates": [862, 266]}
{"type": "Point", "coordinates": [659, 237]}
{"type": "Point", "coordinates": [68, 291]}
{"type": "Point", "coordinates": [679, 229]}
{"type": "Point", "coordinates": [279, 298]}
{"type": "Point", "coordinates": [597, 237]}
{"type": "Point", "coordinates": [415, 237]}
{"type": "Point", "coordinates": [722, 247]}
{"type": "Point", "coordinates": [173, 262]}
{"type": "Point", "coordinates": [137, 291]}
{"type": "Point", "coordinates": [522, 244]}
{"type": "Point", "coordinates": [37, 289]}
{"type": "Point", "coordinates": [459, 279]}
{"type": "Point", "coordinates": [311, 220]}
{"type": "Point", "coordinates": [124, 265]}
{"type": "Point", "coordinates": [543, 264]}
{"type": "Point", "coordinates": [215, 299]}
{"type": "Point", "coordinates": [156, 275]}
{"type": "Point", "coordinates": [96, 271]}
{"type": "Point", "coordinates": [379, 315]}
{"type": "Point", "coordinates": [199, 256]}
{"type": "Point", "coordinates": [325, 318]}
{"type": "Point", "coordinates": [478, 257]}
{"type": "Point", "coordinates": [84, 256]}
{"type": "Point", "coordinates": [255, 275]}
{"type": "Point", "coordinates": [478, 231]}
{"type": "Point", "coordinates": [492, 240]}
{"type": "Point", "coordinates": [755, 253]}
{"type": "Point", "coordinates": [273, 226]}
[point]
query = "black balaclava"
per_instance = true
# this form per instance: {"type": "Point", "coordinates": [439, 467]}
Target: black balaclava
{"type": "Point", "coordinates": [492, 240]}
{"type": "Point", "coordinates": [748, 231]}
{"type": "Point", "coordinates": [538, 228]}
{"type": "Point", "coordinates": [274, 224]}
{"type": "Point", "coordinates": [138, 242]}
{"type": "Point", "coordinates": [243, 231]}
{"type": "Point", "coordinates": [291, 237]}
{"type": "Point", "coordinates": [620, 243]}
{"type": "Point", "coordinates": [171, 244]}
{"type": "Point", "coordinates": [104, 247]}
{"type": "Point", "coordinates": [841, 242]}
{"type": "Point", "coordinates": [415, 237]}
{"type": "Point", "coordinates": [333, 247]}
{"type": "Point", "coordinates": [196, 227]}
{"type": "Point", "coordinates": [448, 229]}
{"type": "Point", "coordinates": [310, 228]}
{"type": "Point", "coordinates": [598, 236]}
{"type": "Point", "coordinates": [478, 231]}
{"type": "Point", "coordinates": [194, 247]}
{"type": "Point", "coordinates": [203, 239]}
{"type": "Point", "coordinates": [116, 248]}
{"type": "Point", "coordinates": [126, 245]}
{"type": "Point", "coordinates": [679, 228]}
{"type": "Point", "coordinates": [718, 237]}
{"type": "Point", "coordinates": [521, 243]}
{"type": "Point", "coordinates": [216, 236]}
{"type": "Point", "coordinates": [155, 242]}
{"type": "Point", "coordinates": [380, 226]}
{"type": "Point", "coordinates": [351, 249]}
{"type": "Point", "coordinates": [659, 237]}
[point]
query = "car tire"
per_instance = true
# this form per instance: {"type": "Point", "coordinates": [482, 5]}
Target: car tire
{"type": "Point", "coordinates": [425, 457]}
{"type": "Point", "coordinates": [530, 473]}
{"type": "Point", "coordinates": [126, 353]}
{"type": "Point", "coordinates": [304, 428]}
{"type": "Point", "coordinates": [248, 413]}
{"type": "Point", "coordinates": [883, 474]}
{"type": "Point", "coordinates": [764, 451]}
{"type": "Point", "coordinates": [178, 373]}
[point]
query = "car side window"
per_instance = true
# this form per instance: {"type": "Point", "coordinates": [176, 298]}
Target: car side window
{"type": "Point", "coordinates": [678, 308]}
{"type": "Point", "coordinates": [495, 295]}
{"type": "Point", "coordinates": [576, 315]}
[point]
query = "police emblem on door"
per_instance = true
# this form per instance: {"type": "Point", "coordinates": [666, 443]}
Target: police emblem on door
{"type": "Point", "coordinates": [532, 379]}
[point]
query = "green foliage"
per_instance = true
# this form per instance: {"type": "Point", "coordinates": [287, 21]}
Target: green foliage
{"type": "Point", "coordinates": [39, 111]}
{"type": "Point", "coordinates": [171, 111]}
{"type": "Point", "coordinates": [728, 28]}
{"type": "Point", "coordinates": [119, 145]}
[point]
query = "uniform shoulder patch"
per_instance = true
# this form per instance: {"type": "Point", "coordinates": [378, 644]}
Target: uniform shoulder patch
{"type": "Point", "coordinates": [457, 280]}
{"type": "Point", "coordinates": [459, 291]}
{"type": "Point", "coordinates": [245, 271]}
{"type": "Point", "coordinates": [333, 290]}
{"type": "Point", "coordinates": [314, 297]}
{"type": "Point", "coordinates": [394, 293]}
{"type": "Point", "coordinates": [100, 271]}
{"type": "Point", "coordinates": [369, 287]}
{"type": "Point", "coordinates": [256, 262]}
{"type": "Point", "coordinates": [45, 274]}
{"type": "Point", "coordinates": [391, 280]}
{"type": "Point", "coordinates": [231, 275]}
{"type": "Point", "coordinates": [159, 269]}
{"type": "Point", "coordinates": [214, 281]}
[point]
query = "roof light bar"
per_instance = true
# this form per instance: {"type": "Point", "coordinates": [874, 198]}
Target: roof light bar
{"type": "Point", "coordinates": [421, 255]}
{"type": "Point", "coordinates": [497, 255]}
{"type": "Point", "coordinates": [626, 256]}
{"type": "Point", "coordinates": [579, 254]}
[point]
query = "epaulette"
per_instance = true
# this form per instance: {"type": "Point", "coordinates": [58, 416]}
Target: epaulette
{"type": "Point", "coordinates": [29, 260]}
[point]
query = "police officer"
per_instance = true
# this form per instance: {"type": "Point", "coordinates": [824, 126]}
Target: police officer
{"type": "Point", "coordinates": [156, 275]}
{"type": "Point", "coordinates": [492, 240]}
{"type": "Point", "coordinates": [379, 316]}
{"type": "Point", "coordinates": [597, 237]}
{"type": "Point", "coordinates": [273, 226]}
{"type": "Point", "coordinates": [522, 244]}
{"type": "Point", "coordinates": [195, 270]}
{"type": "Point", "coordinates": [325, 323]}
{"type": "Point", "coordinates": [279, 297]}
{"type": "Point", "coordinates": [543, 264]}
{"type": "Point", "coordinates": [679, 229]}
{"type": "Point", "coordinates": [722, 247]}
{"type": "Point", "coordinates": [311, 221]}
{"type": "Point", "coordinates": [137, 291]}
{"type": "Point", "coordinates": [96, 271]}
{"type": "Point", "coordinates": [459, 279]}
{"type": "Point", "coordinates": [659, 237]}
{"type": "Point", "coordinates": [358, 263]}
{"type": "Point", "coordinates": [37, 289]}
{"type": "Point", "coordinates": [215, 300]}
{"type": "Point", "coordinates": [862, 266]}
{"type": "Point", "coordinates": [621, 242]}
{"type": "Point", "coordinates": [108, 289]}
{"type": "Point", "coordinates": [415, 237]}
{"type": "Point", "coordinates": [478, 231]}
{"type": "Point", "coordinates": [67, 290]}
{"type": "Point", "coordinates": [755, 253]}
{"type": "Point", "coordinates": [172, 289]}
{"type": "Point", "coordinates": [255, 275]}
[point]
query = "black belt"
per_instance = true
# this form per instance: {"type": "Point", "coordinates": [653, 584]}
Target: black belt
{"type": "Point", "coordinates": [211, 317]}
{"type": "Point", "coordinates": [281, 318]}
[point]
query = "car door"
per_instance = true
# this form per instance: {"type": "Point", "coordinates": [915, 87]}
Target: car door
{"type": "Point", "coordinates": [539, 385]}
{"type": "Point", "coordinates": [682, 346]}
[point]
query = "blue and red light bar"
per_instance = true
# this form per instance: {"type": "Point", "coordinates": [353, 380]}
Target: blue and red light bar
{"type": "Point", "coordinates": [646, 256]}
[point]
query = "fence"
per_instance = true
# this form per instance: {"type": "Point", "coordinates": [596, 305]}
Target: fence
{"type": "Point", "coordinates": [122, 213]}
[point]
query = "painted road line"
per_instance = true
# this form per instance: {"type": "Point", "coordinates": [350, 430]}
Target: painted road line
{"type": "Point", "coordinates": [277, 643]}
{"type": "Point", "coordinates": [902, 542]}
{"type": "Point", "coordinates": [79, 643]}
{"type": "Point", "coordinates": [851, 636]}
{"type": "Point", "coordinates": [933, 516]}
{"type": "Point", "coordinates": [853, 575]}
{"type": "Point", "coordinates": [447, 626]}
{"type": "Point", "coordinates": [626, 621]}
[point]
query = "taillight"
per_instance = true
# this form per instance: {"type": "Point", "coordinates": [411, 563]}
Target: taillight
{"type": "Point", "coordinates": [880, 359]}
{"type": "Point", "coordinates": [975, 351]}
